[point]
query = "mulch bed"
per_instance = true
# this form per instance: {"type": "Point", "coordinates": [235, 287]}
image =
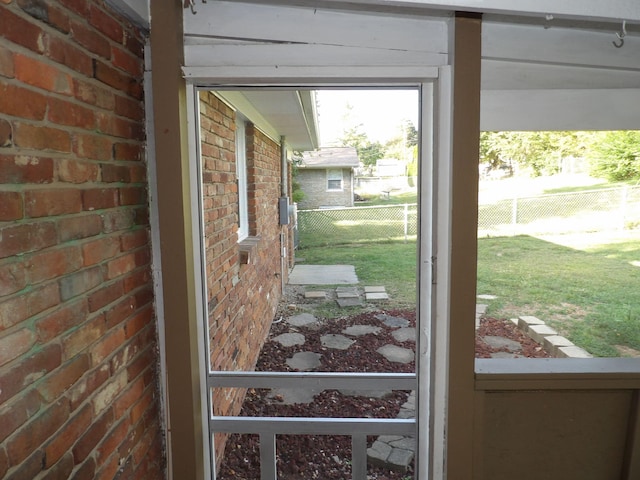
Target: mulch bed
{"type": "Point", "coordinates": [322, 457]}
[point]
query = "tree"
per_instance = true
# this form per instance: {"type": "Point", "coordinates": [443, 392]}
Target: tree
{"type": "Point", "coordinates": [616, 155]}
{"type": "Point", "coordinates": [368, 152]}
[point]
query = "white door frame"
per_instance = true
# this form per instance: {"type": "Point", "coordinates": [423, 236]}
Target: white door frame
{"type": "Point", "coordinates": [432, 343]}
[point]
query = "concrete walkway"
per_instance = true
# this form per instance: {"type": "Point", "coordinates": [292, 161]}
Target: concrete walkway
{"type": "Point", "coordinates": [323, 275]}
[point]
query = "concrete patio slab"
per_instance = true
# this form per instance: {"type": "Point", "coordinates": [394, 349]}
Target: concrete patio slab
{"type": "Point", "coordinates": [323, 275]}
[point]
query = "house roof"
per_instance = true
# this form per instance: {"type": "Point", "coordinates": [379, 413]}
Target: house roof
{"type": "Point", "coordinates": [333, 157]}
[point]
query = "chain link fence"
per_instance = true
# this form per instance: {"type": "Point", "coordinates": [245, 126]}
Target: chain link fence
{"type": "Point", "coordinates": [589, 211]}
{"type": "Point", "coordinates": [357, 225]}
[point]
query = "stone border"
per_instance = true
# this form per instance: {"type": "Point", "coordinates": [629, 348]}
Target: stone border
{"type": "Point", "coordinates": [555, 345]}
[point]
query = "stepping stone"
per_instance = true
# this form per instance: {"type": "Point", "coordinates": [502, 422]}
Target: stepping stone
{"type": "Point", "coordinates": [481, 308]}
{"type": "Point", "coordinates": [338, 342]}
{"type": "Point", "coordinates": [315, 295]}
{"type": "Point", "coordinates": [347, 292]}
{"type": "Point", "coordinates": [304, 361]}
{"type": "Point", "coordinates": [399, 459]}
{"type": "Point", "coordinates": [376, 296]}
{"type": "Point", "coordinates": [390, 321]}
{"type": "Point", "coordinates": [504, 355]}
{"type": "Point", "coordinates": [290, 339]}
{"type": "Point", "coordinates": [396, 354]}
{"type": "Point", "coordinates": [349, 302]}
{"type": "Point", "coordinates": [487, 297]}
{"type": "Point", "coordinates": [302, 320]}
{"type": "Point", "coordinates": [379, 452]}
{"type": "Point", "coordinates": [374, 289]}
{"type": "Point", "coordinates": [366, 393]}
{"type": "Point", "coordinates": [501, 342]}
{"type": "Point", "coordinates": [359, 330]}
{"type": "Point", "coordinates": [291, 396]}
{"type": "Point", "coordinates": [405, 334]}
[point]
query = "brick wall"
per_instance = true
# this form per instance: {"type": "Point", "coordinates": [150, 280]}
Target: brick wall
{"type": "Point", "coordinates": [78, 377]}
{"type": "Point", "coordinates": [242, 297]}
{"type": "Point", "coordinates": [313, 182]}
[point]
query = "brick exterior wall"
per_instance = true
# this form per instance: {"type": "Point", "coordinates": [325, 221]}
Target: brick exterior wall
{"type": "Point", "coordinates": [313, 183]}
{"type": "Point", "coordinates": [242, 297]}
{"type": "Point", "coordinates": [78, 378]}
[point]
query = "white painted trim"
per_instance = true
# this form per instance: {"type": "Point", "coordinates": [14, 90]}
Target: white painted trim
{"type": "Point", "coordinates": [200, 277]}
{"type": "Point", "coordinates": [241, 22]}
{"type": "Point", "coordinates": [524, 110]}
{"type": "Point", "coordinates": [238, 103]}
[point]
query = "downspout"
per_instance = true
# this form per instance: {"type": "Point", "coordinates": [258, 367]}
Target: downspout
{"type": "Point", "coordinates": [284, 203]}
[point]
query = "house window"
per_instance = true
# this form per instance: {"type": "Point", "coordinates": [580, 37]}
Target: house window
{"type": "Point", "coordinates": [241, 172]}
{"type": "Point", "coordinates": [334, 179]}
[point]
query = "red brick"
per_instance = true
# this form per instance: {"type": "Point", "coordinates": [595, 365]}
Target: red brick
{"type": "Point", "coordinates": [119, 127]}
{"type": "Point", "coordinates": [99, 250]}
{"type": "Point", "coordinates": [138, 322]}
{"type": "Point", "coordinates": [124, 60]}
{"type": "Point", "coordinates": [141, 216]}
{"type": "Point", "coordinates": [93, 95]}
{"type": "Point", "coordinates": [83, 337]}
{"type": "Point", "coordinates": [121, 266]}
{"type": "Point", "coordinates": [52, 264]}
{"type": "Point", "coordinates": [26, 371]}
{"type": "Point", "coordinates": [119, 312]}
{"type": "Point", "coordinates": [24, 238]}
{"type": "Point", "coordinates": [86, 471]}
{"type": "Point", "coordinates": [68, 435]}
{"type": "Point", "coordinates": [100, 198]}
{"type": "Point", "coordinates": [27, 469]}
{"type": "Point", "coordinates": [138, 279]}
{"type": "Point", "coordinates": [6, 63]}
{"type": "Point", "coordinates": [65, 53]}
{"type": "Point", "coordinates": [108, 75]}
{"type": "Point", "coordinates": [87, 385]}
{"type": "Point", "coordinates": [78, 6]}
{"type": "Point", "coordinates": [36, 432]}
{"type": "Point", "coordinates": [106, 24]}
{"type": "Point", "coordinates": [127, 151]}
{"type": "Point", "coordinates": [22, 102]}
{"type": "Point", "coordinates": [42, 75]}
{"type": "Point", "coordinates": [105, 296]}
{"type": "Point", "coordinates": [61, 470]}
{"type": "Point", "coordinates": [131, 240]}
{"type": "Point", "coordinates": [6, 134]}
{"type": "Point", "coordinates": [77, 171]}
{"type": "Point", "coordinates": [137, 411]}
{"type": "Point", "coordinates": [57, 323]}
{"type": "Point", "coordinates": [70, 114]}
{"type": "Point", "coordinates": [13, 311]}
{"type": "Point", "coordinates": [113, 440]}
{"type": "Point", "coordinates": [80, 282]}
{"type": "Point", "coordinates": [144, 297]}
{"type": "Point", "coordinates": [128, 398]}
{"type": "Point", "coordinates": [107, 345]}
{"type": "Point", "coordinates": [96, 432]}
{"type": "Point", "coordinates": [41, 299]}
{"type": "Point", "coordinates": [74, 228]}
{"type": "Point", "coordinates": [25, 169]}
{"type": "Point", "coordinates": [51, 202]}
{"type": "Point", "coordinates": [61, 379]}
{"type": "Point", "coordinates": [11, 208]}
{"type": "Point", "coordinates": [95, 147]}
{"type": "Point", "coordinates": [15, 344]}
{"type": "Point", "coordinates": [114, 173]}
{"type": "Point", "coordinates": [112, 468]}
{"type": "Point", "coordinates": [46, 13]}
{"type": "Point", "coordinates": [41, 137]}
{"type": "Point", "coordinates": [135, 45]}
{"type": "Point", "coordinates": [116, 220]}
{"type": "Point", "coordinates": [90, 39]}
{"type": "Point", "coordinates": [143, 257]}
{"type": "Point", "coordinates": [13, 276]}
{"type": "Point", "coordinates": [20, 31]}
{"type": "Point", "coordinates": [129, 108]}
{"type": "Point", "coordinates": [16, 413]}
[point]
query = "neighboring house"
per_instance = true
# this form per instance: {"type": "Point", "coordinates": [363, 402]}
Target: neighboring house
{"type": "Point", "coordinates": [129, 267]}
{"type": "Point", "coordinates": [326, 177]}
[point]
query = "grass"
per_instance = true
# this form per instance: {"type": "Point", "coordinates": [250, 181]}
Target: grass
{"type": "Point", "coordinates": [392, 264]}
{"type": "Point", "coordinates": [395, 198]}
{"type": "Point", "coordinates": [590, 295]}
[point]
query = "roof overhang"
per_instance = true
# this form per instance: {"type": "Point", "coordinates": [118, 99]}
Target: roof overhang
{"type": "Point", "coordinates": [279, 113]}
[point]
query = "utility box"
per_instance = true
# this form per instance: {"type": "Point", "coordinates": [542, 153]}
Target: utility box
{"type": "Point", "coordinates": [284, 210]}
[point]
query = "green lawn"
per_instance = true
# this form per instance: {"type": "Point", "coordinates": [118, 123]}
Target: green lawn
{"type": "Point", "coordinates": [591, 295]}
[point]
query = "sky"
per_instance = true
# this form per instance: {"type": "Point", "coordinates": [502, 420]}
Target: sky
{"type": "Point", "coordinates": [381, 112]}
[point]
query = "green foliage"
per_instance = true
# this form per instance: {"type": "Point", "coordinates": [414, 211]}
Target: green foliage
{"type": "Point", "coordinates": [616, 156]}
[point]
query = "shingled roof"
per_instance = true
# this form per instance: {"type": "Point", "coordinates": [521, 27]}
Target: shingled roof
{"type": "Point", "coordinates": [332, 157]}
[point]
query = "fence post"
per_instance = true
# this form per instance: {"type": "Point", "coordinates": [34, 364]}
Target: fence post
{"type": "Point", "coordinates": [406, 221]}
{"type": "Point", "coordinates": [623, 205]}
{"type": "Point", "coordinates": [514, 215]}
